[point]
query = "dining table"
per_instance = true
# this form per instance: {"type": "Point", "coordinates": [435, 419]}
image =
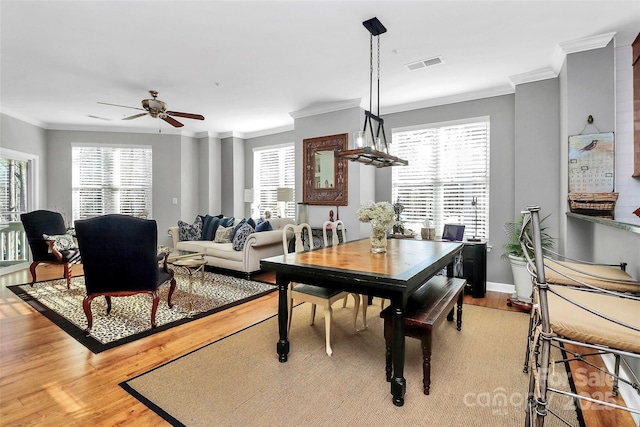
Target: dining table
{"type": "Point", "coordinates": [394, 275]}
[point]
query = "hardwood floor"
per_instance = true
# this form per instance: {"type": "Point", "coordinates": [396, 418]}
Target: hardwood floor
{"type": "Point", "coordinates": [47, 378]}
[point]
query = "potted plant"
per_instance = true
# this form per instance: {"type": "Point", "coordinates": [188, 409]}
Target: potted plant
{"type": "Point", "coordinates": [514, 253]}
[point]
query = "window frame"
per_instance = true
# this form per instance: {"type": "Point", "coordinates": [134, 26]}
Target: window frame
{"type": "Point", "coordinates": [467, 187]}
{"type": "Point", "coordinates": [114, 188]}
{"type": "Point", "coordinates": [264, 202]}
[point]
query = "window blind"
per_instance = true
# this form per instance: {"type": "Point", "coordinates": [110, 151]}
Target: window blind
{"type": "Point", "coordinates": [108, 180]}
{"type": "Point", "coordinates": [13, 189]}
{"type": "Point", "coordinates": [273, 168]}
{"type": "Point", "coordinates": [448, 168]}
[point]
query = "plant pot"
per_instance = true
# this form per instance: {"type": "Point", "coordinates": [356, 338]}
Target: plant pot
{"type": "Point", "coordinates": [521, 280]}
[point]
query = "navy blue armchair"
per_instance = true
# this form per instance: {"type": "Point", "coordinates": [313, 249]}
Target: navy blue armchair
{"type": "Point", "coordinates": [39, 223]}
{"type": "Point", "coordinates": [120, 258]}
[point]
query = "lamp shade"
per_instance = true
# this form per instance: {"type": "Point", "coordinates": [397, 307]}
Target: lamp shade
{"type": "Point", "coordinates": [248, 195]}
{"type": "Point", "coordinates": [284, 194]}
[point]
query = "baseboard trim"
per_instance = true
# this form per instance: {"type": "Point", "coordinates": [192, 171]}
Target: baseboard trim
{"type": "Point", "coordinates": [504, 288]}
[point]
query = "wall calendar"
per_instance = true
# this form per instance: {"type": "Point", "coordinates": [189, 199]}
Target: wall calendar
{"type": "Point", "coordinates": [591, 163]}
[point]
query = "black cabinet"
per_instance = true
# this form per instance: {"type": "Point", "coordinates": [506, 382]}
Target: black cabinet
{"type": "Point", "coordinates": [474, 268]}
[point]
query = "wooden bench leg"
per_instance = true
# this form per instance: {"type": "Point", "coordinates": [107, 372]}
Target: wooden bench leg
{"type": "Point", "coordinates": [426, 361]}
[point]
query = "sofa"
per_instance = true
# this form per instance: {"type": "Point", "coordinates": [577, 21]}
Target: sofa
{"type": "Point", "coordinates": [258, 245]}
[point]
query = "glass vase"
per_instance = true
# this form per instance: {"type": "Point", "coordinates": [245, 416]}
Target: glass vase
{"type": "Point", "coordinates": [378, 239]}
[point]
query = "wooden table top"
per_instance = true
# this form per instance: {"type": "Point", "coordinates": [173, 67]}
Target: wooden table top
{"type": "Point", "coordinates": [403, 260]}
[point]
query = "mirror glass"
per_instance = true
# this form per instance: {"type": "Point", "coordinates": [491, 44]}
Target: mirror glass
{"type": "Point", "coordinates": [325, 176]}
{"type": "Point", "coordinates": [323, 161]}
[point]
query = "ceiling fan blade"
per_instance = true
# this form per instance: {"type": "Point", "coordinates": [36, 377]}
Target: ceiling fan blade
{"type": "Point", "coordinates": [186, 115]}
{"type": "Point", "coordinates": [123, 106]}
{"type": "Point", "coordinates": [173, 122]}
{"type": "Point", "coordinates": [135, 116]}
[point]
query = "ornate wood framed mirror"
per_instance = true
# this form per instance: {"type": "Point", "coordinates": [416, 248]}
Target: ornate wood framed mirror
{"type": "Point", "coordinates": [324, 175]}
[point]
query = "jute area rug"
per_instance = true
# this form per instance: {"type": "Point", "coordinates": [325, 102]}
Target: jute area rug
{"type": "Point", "coordinates": [477, 377]}
{"type": "Point", "coordinates": [130, 317]}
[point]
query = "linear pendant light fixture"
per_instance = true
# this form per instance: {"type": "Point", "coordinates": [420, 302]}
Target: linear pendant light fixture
{"type": "Point", "coordinates": [375, 28]}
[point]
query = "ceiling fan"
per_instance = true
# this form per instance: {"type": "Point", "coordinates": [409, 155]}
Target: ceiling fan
{"type": "Point", "coordinates": [158, 109]}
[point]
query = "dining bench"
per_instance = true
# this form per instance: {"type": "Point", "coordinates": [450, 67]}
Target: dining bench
{"type": "Point", "coordinates": [426, 308]}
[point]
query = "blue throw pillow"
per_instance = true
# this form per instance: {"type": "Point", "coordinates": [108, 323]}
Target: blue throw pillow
{"type": "Point", "coordinates": [264, 226]}
{"type": "Point", "coordinates": [209, 227]}
{"type": "Point", "coordinates": [251, 222]}
{"type": "Point", "coordinates": [227, 221]}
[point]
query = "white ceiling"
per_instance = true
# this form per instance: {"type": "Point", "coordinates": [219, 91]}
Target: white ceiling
{"type": "Point", "coordinates": [246, 65]}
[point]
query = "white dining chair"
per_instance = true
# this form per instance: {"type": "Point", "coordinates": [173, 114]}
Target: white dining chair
{"type": "Point", "coordinates": [316, 295]}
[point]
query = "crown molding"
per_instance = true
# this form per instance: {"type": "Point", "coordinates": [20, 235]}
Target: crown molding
{"type": "Point", "coordinates": [533, 76]}
{"type": "Point", "coordinates": [453, 99]}
{"type": "Point", "coordinates": [22, 118]}
{"type": "Point", "coordinates": [119, 129]}
{"type": "Point", "coordinates": [587, 43]}
{"type": "Point", "coordinates": [273, 131]}
{"type": "Point", "coordinates": [323, 108]}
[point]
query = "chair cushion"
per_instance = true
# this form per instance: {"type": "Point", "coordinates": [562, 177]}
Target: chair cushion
{"type": "Point", "coordinates": [570, 321]}
{"type": "Point", "coordinates": [587, 273]}
{"type": "Point", "coordinates": [317, 291]}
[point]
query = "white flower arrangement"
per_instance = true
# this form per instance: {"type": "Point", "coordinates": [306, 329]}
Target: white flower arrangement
{"type": "Point", "coordinates": [379, 214]}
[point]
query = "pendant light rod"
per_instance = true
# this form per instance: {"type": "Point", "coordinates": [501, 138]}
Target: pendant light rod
{"type": "Point", "coordinates": [375, 28]}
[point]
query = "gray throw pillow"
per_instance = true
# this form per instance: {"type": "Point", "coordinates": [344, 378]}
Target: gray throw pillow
{"type": "Point", "coordinates": [190, 232]}
{"type": "Point", "coordinates": [223, 234]}
{"type": "Point", "coordinates": [241, 236]}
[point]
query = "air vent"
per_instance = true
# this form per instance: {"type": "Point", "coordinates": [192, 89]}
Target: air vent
{"type": "Point", "coordinates": [424, 63]}
{"type": "Point", "coordinates": [98, 117]}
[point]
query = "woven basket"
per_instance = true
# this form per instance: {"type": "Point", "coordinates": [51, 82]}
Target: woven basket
{"type": "Point", "coordinates": [593, 204]}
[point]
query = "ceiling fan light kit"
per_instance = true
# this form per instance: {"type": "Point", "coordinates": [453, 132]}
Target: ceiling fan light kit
{"type": "Point", "coordinates": [158, 110]}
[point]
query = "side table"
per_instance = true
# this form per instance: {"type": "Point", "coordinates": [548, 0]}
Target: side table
{"type": "Point", "coordinates": [190, 266]}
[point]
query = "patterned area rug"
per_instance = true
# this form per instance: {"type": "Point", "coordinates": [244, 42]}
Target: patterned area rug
{"type": "Point", "coordinates": [130, 317]}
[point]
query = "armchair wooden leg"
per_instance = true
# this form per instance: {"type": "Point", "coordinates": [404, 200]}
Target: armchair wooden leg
{"type": "Point", "coordinates": [171, 289]}
{"type": "Point", "coordinates": [86, 306]}
{"type": "Point", "coordinates": [67, 273]}
{"type": "Point", "coordinates": [32, 270]}
{"type": "Point", "coordinates": [154, 308]}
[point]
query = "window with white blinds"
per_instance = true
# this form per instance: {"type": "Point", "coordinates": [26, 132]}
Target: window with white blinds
{"type": "Point", "coordinates": [274, 167]}
{"type": "Point", "coordinates": [448, 172]}
{"type": "Point", "coordinates": [111, 179]}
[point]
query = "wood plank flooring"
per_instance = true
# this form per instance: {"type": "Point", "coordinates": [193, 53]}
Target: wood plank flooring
{"type": "Point", "coordinates": [47, 378]}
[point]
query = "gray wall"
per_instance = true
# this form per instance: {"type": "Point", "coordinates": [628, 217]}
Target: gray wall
{"type": "Point", "coordinates": [589, 89]}
{"type": "Point", "coordinates": [209, 161]}
{"type": "Point", "coordinates": [27, 138]}
{"type": "Point", "coordinates": [361, 178]}
{"type": "Point", "coordinates": [500, 109]}
{"type": "Point", "coordinates": [168, 151]}
{"type": "Point", "coordinates": [259, 142]}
